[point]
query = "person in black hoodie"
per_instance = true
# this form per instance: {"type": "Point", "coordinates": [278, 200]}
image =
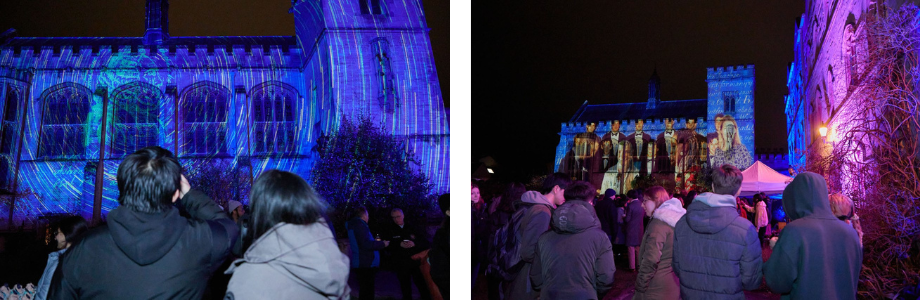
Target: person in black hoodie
{"type": "Point", "coordinates": [147, 250]}
{"type": "Point", "coordinates": [439, 256]}
{"type": "Point", "coordinates": [816, 256]}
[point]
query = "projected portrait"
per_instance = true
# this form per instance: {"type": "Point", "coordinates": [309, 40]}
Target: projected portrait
{"type": "Point", "coordinates": [586, 152]}
{"type": "Point", "coordinates": [666, 148]}
{"type": "Point", "coordinates": [691, 153]}
{"type": "Point", "coordinates": [639, 146]}
{"type": "Point", "coordinates": [612, 148]}
{"type": "Point", "coordinates": [727, 148]}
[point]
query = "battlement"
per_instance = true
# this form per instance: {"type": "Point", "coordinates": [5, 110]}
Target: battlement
{"type": "Point", "coordinates": [730, 72]}
{"type": "Point", "coordinates": [651, 125]}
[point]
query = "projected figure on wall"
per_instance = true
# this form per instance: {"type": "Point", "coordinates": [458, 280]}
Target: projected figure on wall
{"type": "Point", "coordinates": [586, 151]}
{"type": "Point", "coordinates": [639, 146]}
{"type": "Point", "coordinates": [727, 148]}
{"type": "Point", "coordinates": [612, 148]}
{"type": "Point", "coordinates": [714, 135]}
{"type": "Point", "coordinates": [691, 154]}
{"type": "Point", "coordinates": [666, 148]}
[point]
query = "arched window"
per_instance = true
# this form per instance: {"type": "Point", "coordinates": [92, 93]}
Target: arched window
{"type": "Point", "coordinates": [204, 115]}
{"type": "Point", "coordinates": [386, 87]}
{"type": "Point", "coordinates": [370, 7]}
{"type": "Point", "coordinates": [849, 50]}
{"type": "Point", "coordinates": [10, 125]}
{"type": "Point", "coordinates": [64, 126]}
{"type": "Point", "coordinates": [273, 118]}
{"type": "Point", "coordinates": [136, 114]}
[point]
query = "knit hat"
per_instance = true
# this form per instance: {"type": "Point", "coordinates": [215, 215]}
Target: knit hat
{"type": "Point", "coordinates": [609, 193]}
{"type": "Point", "coordinates": [232, 205]}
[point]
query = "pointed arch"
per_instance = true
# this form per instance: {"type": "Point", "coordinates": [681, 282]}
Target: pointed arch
{"type": "Point", "coordinates": [203, 114]}
{"type": "Point", "coordinates": [274, 118]}
{"type": "Point", "coordinates": [136, 114]}
{"type": "Point", "coordinates": [65, 109]}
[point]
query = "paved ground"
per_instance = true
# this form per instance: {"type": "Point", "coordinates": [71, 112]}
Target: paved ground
{"type": "Point", "coordinates": [624, 284]}
{"type": "Point", "coordinates": [387, 286]}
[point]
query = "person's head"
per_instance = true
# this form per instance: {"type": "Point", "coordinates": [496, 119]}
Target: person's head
{"type": "Point", "coordinates": [610, 194]}
{"type": "Point", "coordinates": [615, 126]}
{"type": "Point", "coordinates": [591, 127]}
{"type": "Point", "coordinates": [689, 198]}
{"type": "Point", "coordinates": [282, 197]}
{"type": "Point", "coordinates": [791, 171]}
{"type": "Point", "coordinates": [511, 195]}
{"type": "Point", "coordinates": [554, 187]}
{"type": "Point", "coordinates": [149, 180]}
{"type": "Point", "coordinates": [640, 124]}
{"type": "Point", "coordinates": [718, 120]}
{"type": "Point", "coordinates": [669, 124]}
{"type": "Point", "coordinates": [726, 180]}
{"type": "Point", "coordinates": [398, 217]}
{"type": "Point", "coordinates": [730, 130]}
{"type": "Point", "coordinates": [653, 198]}
{"type": "Point", "coordinates": [444, 204]}
{"type": "Point", "coordinates": [580, 190]}
{"type": "Point", "coordinates": [691, 124]}
{"type": "Point", "coordinates": [841, 206]}
{"type": "Point", "coordinates": [68, 230]}
{"type": "Point", "coordinates": [361, 213]}
{"type": "Point", "coordinates": [235, 209]}
{"type": "Point", "coordinates": [474, 193]}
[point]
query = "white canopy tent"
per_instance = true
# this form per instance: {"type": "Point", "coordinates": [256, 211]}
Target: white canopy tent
{"type": "Point", "coordinates": [761, 178]}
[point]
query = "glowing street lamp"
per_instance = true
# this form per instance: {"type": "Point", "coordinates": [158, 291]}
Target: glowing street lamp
{"type": "Point", "coordinates": [823, 131]}
{"type": "Point", "coordinates": [490, 170]}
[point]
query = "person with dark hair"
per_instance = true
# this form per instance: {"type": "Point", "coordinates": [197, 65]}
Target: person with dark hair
{"type": "Point", "coordinates": [689, 198]}
{"type": "Point", "coordinates": [574, 260]}
{"type": "Point", "coordinates": [635, 215]}
{"type": "Point", "coordinates": [293, 254]}
{"type": "Point", "coordinates": [480, 224]}
{"type": "Point", "coordinates": [66, 232]}
{"type": "Point", "coordinates": [713, 243]}
{"type": "Point", "coordinates": [497, 220]}
{"type": "Point", "coordinates": [439, 256]}
{"type": "Point", "coordinates": [536, 210]}
{"type": "Point", "coordinates": [406, 240]}
{"type": "Point", "coordinates": [607, 213]}
{"type": "Point", "coordinates": [146, 239]}
{"type": "Point", "coordinates": [365, 255]}
{"type": "Point", "coordinates": [817, 256]}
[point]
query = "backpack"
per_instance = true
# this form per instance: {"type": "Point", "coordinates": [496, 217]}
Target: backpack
{"type": "Point", "coordinates": [504, 249]}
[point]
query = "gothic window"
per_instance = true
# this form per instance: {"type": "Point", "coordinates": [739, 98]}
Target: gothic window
{"type": "Point", "coordinates": [849, 44]}
{"type": "Point", "coordinates": [728, 100]}
{"type": "Point", "coordinates": [204, 119]}
{"type": "Point", "coordinates": [273, 115]}
{"type": "Point", "coordinates": [64, 126]}
{"type": "Point", "coordinates": [136, 114]}
{"type": "Point", "coordinates": [386, 96]}
{"type": "Point", "coordinates": [8, 125]}
{"type": "Point", "coordinates": [371, 7]}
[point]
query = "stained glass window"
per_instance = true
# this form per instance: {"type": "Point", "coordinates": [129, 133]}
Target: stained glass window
{"type": "Point", "coordinates": [273, 122]}
{"type": "Point", "coordinates": [64, 126]}
{"type": "Point", "coordinates": [728, 99]}
{"type": "Point", "coordinates": [204, 116]}
{"type": "Point", "coordinates": [136, 114]}
{"type": "Point", "coordinates": [8, 125]}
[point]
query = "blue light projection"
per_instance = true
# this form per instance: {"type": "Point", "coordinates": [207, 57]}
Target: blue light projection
{"type": "Point", "coordinates": [247, 104]}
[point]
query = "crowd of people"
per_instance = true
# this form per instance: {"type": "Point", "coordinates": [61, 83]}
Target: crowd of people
{"type": "Point", "coordinates": [167, 240]}
{"type": "Point", "coordinates": [561, 242]}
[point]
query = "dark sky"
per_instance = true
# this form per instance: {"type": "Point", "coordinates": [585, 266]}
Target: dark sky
{"type": "Point", "coordinates": [536, 63]}
{"type": "Point", "coordinates": [95, 18]}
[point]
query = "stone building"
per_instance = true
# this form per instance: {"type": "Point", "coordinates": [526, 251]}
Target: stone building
{"type": "Point", "coordinates": [73, 107]}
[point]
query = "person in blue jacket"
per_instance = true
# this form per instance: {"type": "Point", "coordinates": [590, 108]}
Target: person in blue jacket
{"type": "Point", "coordinates": [66, 232]}
{"type": "Point", "coordinates": [365, 255]}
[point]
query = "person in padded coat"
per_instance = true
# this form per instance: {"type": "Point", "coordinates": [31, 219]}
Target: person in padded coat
{"type": "Point", "coordinates": [148, 250]}
{"type": "Point", "coordinates": [574, 260]}
{"type": "Point", "coordinates": [816, 256]}
{"type": "Point", "coordinates": [716, 252]}
{"type": "Point", "coordinates": [656, 279]}
{"type": "Point", "coordinates": [294, 255]}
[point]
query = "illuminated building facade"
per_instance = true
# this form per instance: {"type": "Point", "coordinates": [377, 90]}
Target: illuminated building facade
{"type": "Point", "coordinates": [74, 107]}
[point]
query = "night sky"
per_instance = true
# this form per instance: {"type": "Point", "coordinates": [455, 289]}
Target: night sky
{"type": "Point", "coordinates": [536, 63]}
{"type": "Point", "coordinates": [116, 18]}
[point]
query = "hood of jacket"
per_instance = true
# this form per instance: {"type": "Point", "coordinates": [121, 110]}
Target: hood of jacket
{"type": "Point", "coordinates": [574, 217]}
{"type": "Point", "coordinates": [706, 219]}
{"type": "Point", "coordinates": [146, 237]}
{"type": "Point", "coordinates": [534, 197]}
{"type": "Point", "coordinates": [306, 253]}
{"type": "Point", "coordinates": [716, 200]}
{"type": "Point", "coordinates": [806, 196]}
{"type": "Point", "coordinates": [670, 212]}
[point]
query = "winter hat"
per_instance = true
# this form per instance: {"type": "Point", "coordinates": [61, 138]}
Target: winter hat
{"type": "Point", "coordinates": [609, 193]}
{"type": "Point", "coordinates": [232, 205]}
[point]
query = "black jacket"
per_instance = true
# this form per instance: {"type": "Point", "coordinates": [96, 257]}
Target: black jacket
{"type": "Point", "coordinates": [439, 256]}
{"type": "Point", "coordinates": [148, 255]}
{"type": "Point", "coordinates": [402, 257]}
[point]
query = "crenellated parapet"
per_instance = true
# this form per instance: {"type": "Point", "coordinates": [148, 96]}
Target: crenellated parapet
{"type": "Point", "coordinates": [656, 125]}
{"type": "Point", "coordinates": [729, 72]}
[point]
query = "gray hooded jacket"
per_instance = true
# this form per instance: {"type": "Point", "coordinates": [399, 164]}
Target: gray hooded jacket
{"type": "Point", "coordinates": [717, 254]}
{"type": "Point", "coordinates": [817, 256]}
{"type": "Point", "coordinates": [574, 260]}
{"type": "Point", "coordinates": [291, 262]}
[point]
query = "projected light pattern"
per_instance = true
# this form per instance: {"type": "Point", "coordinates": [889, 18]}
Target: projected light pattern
{"type": "Point", "coordinates": [246, 104]}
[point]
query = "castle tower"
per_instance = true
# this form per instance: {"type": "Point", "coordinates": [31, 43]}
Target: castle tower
{"type": "Point", "coordinates": [654, 90]}
{"type": "Point", "coordinates": [731, 92]}
{"type": "Point", "coordinates": [157, 21]}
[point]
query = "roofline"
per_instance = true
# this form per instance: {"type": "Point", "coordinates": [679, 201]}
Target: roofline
{"type": "Point", "coordinates": [579, 112]}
